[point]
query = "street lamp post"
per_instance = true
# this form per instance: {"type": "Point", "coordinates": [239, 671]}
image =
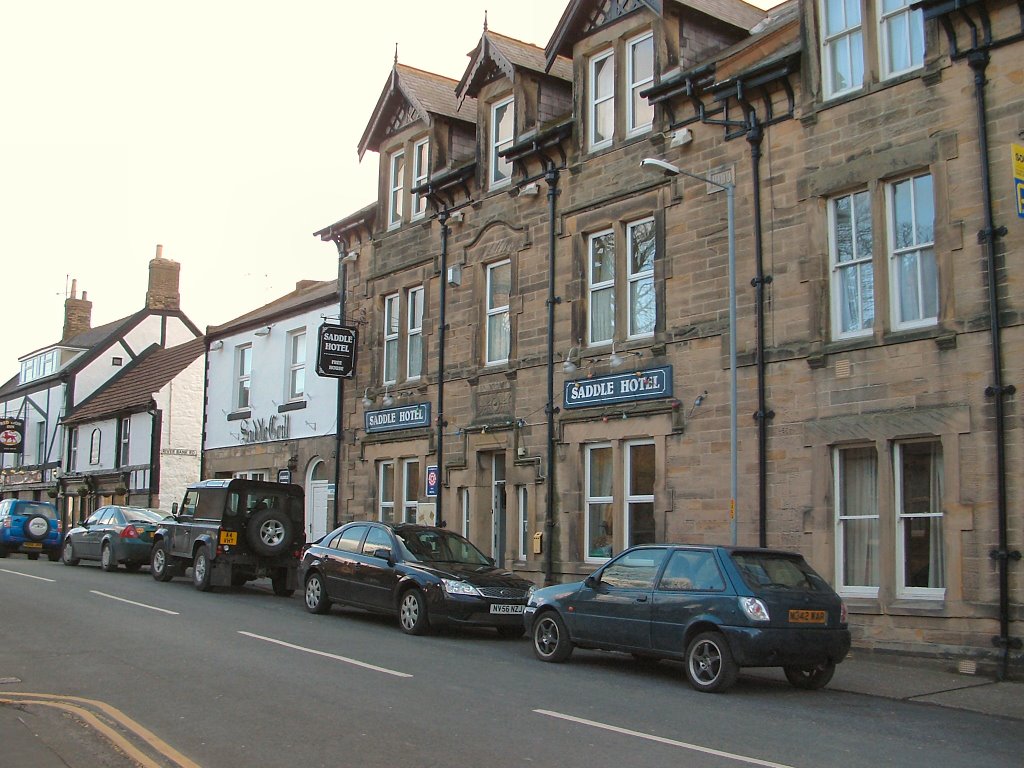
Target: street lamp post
{"type": "Point", "coordinates": [730, 193]}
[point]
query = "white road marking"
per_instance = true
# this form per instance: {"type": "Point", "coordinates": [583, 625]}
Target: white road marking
{"type": "Point", "coordinates": [28, 576]}
{"type": "Point", "coordinates": [663, 740]}
{"type": "Point", "coordinates": [132, 602]}
{"type": "Point", "coordinates": [327, 655]}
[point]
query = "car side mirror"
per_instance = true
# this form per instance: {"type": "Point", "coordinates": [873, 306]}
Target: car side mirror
{"type": "Point", "coordinates": [591, 581]}
{"type": "Point", "coordinates": [174, 509]}
{"type": "Point", "coordinates": [383, 554]}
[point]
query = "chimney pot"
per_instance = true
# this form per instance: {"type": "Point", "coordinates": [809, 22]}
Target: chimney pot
{"type": "Point", "coordinates": [159, 251]}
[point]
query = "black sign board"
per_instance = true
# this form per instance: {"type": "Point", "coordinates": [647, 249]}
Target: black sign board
{"type": "Point", "coordinates": [397, 418]}
{"type": "Point", "coordinates": [649, 384]}
{"type": "Point", "coordinates": [336, 351]}
{"type": "Point", "coordinates": [12, 435]}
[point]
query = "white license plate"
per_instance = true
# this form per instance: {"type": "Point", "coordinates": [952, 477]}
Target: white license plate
{"type": "Point", "coordinates": [507, 608]}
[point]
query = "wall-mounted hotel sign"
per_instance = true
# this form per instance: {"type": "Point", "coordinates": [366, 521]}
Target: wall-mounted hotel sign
{"type": "Point", "coordinates": [651, 384]}
{"type": "Point", "coordinates": [12, 435]}
{"type": "Point", "coordinates": [406, 417]}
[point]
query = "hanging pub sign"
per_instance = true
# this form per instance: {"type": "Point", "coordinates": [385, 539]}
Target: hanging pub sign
{"type": "Point", "coordinates": [651, 384]}
{"type": "Point", "coordinates": [12, 435]}
{"type": "Point", "coordinates": [406, 417]}
{"type": "Point", "coordinates": [336, 351]}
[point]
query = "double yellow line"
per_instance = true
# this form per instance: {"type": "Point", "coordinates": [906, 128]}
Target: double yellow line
{"type": "Point", "coordinates": [112, 723]}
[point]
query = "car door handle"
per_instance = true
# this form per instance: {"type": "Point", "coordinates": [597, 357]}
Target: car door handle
{"type": "Point", "coordinates": [642, 599]}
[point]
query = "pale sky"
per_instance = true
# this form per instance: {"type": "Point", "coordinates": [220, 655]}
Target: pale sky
{"type": "Point", "coordinates": [224, 130]}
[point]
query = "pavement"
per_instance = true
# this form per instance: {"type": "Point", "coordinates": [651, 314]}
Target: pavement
{"type": "Point", "coordinates": [50, 731]}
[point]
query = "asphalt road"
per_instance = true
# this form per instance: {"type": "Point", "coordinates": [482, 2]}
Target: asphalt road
{"type": "Point", "coordinates": [243, 678]}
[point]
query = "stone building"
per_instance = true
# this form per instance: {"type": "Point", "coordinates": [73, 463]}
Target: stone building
{"type": "Point", "coordinates": [83, 469]}
{"type": "Point", "coordinates": [545, 291]}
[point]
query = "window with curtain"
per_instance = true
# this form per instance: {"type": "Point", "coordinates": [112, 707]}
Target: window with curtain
{"type": "Point", "coordinates": [243, 374]}
{"type": "Point", "coordinates": [919, 499]}
{"type": "Point", "coordinates": [600, 510]}
{"type": "Point", "coordinates": [851, 243]}
{"type": "Point", "coordinates": [386, 491]}
{"type": "Point", "coordinates": [857, 521]}
{"type": "Point", "coordinates": [391, 327]}
{"type": "Point", "coordinates": [296, 364]}
{"type": "Point", "coordinates": [420, 171]}
{"type": "Point", "coordinates": [396, 189]}
{"type": "Point", "coordinates": [411, 489]}
{"type": "Point", "coordinates": [639, 76]}
{"type": "Point", "coordinates": [915, 284]}
{"type": "Point", "coordinates": [414, 333]}
{"type": "Point", "coordinates": [900, 36]}
{"type": "Point", "coordinates": [842, 44]}
{"type": "Point", "coordinates": [641, 246]}
{"type": "Point", "coordinates": [502, 132]}
{"type": "Point", "coordinates": [499, 333]}
{"type": "Point", "coordinates": [639, 473]}
{"type": "Point", "coordinates": [601, 287]}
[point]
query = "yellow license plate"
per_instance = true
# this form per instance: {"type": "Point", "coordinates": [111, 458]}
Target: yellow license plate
{"type": "Point", "coordinates": [32, 545]}
{"type": "Point", "coordinates": [806, 617]}
{"type": "Point", "coordinates": [229, 538]}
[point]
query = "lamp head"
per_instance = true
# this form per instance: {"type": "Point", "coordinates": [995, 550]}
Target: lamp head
{"type": "Point", "coordinates": [666, 168]}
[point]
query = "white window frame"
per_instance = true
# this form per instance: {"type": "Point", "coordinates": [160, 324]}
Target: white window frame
{"type": "Point", "coordinates": [629, 497]}
{"type": "Point", "coordinates": [851, 34]}
{"type": "Point", "coordinates": [243, 376]}
{"type": "Point", "coordinates": [383, 486]}
{"type": "Point", "coordinates": [465, 511]}
{"type": "Point", "coordinates": [494, 311]}
{"type": "Point", "coordinates": [409, 505]}
{"type": "Point", "coordinates": [857, 264]}
{"type": "Point", "coordinates": [396, 189]}
{"type": "Point", "coordinates": [296, 364]}
{"type": "Point", "coordinates": [914, 28]}
{"type": "Point", "coordinates": [392, 324]}
{"type": "Point", "coordinates": [595, 101]}
{"type": "Point", "coordinates": [902, 590]}
{"type": "Point", "coordinates": [41, 442]}
{"type": "Point", "coordinates": [498, 144]}
{"type": "Point", "coordinates": [420, 172]}
{"type": "Point", "coordinates": [645, 275]}
{"type": "Point", "coordinates": [522, 521]}
{"type": "Point", "coordinates": [73, 450]}
{"type": "Point", "coordinates": [414, 333]}
{"type": "Point", "coordinates": [589, 500]}
{"type": "Point", "coordinates": [843, 518]}
{"type": "Point", "coordinates": [602, 285]}
{"type": "Point", "coordinates": [917, 247]}
{"type": "Point", "coordinates": [124, 441]}
{"type": "Point", "coordinates": [634, 86]}
{"type": "Point", "coordinates": [95, 446]}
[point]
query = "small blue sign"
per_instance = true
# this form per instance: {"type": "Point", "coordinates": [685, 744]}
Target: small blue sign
{"type": "Point", "coordinates": [406, 417]}
{"type": "Point", "coordinates": [650, 384]}
{"type": "Point", "coordinates": [433, 480]}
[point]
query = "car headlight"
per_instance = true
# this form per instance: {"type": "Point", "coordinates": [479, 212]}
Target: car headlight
{"type": "Point", "coordinates": [755, 609]}
{"type": "Point", "coordinates": [455, 587]}
{"type": "Point", "coordinates": [529, 593]}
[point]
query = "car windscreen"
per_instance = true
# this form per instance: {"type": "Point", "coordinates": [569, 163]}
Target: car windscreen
{"type": "Point", "coordinates": [29, 509]}
{"type": "Point", "coordinates": [775, 570]}
{"type": "Point", "coordinates": [140, 515]}
{"type": "Point", "coordinates": [439, 547]}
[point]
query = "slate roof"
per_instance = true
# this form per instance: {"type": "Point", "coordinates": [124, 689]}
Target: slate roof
{"type": "Point", "coordinates": [579, 15]}
{"type": "Point", "coordinates": [426, 93]}
{"type": "Point", "coordinates": [133, 390]}
{"type": "Point", "coordinates": [507, 53]}
{"type": "Point", "coordinates": [311, 294]}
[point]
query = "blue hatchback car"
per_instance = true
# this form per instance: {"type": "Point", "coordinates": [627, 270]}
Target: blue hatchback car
{"type": "Point", "coordinates": [32, 527]}
{"type": "Point", "coordinates": [716, 609]}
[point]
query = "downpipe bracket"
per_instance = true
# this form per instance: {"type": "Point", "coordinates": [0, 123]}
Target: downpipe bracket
{"type": "Point", "coordinates": [1005, 555]}
{"type": "Point", "coordinates": [1009, 390]}
{"type": "Point", "coordinates": [990, 234]}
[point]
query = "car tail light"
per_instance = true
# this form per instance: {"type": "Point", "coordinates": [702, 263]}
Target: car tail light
{"type": "Point", "coordinates": [130, 532]}
{"type": "Point", "coordinates": [843, 616]}
{"type": "Point", "coordinates": [7, 522]}
{"type": "Point", "coordinates": [755, 609]}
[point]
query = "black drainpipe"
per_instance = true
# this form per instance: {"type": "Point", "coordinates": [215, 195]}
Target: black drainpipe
{"type": "Point", "coordinates": [342, 245]}
{"type": "Point", "coordinates": [755, 136]}
{"type": "Point", "coordinates": [442, 218]}
{"type": "Point", "coordinates": [978, 61]}
{"type": "Point", "coordinates": [551, 177]}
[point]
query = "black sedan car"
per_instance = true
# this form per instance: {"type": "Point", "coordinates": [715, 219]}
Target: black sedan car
{"type": "Point", "coordinates": [425, 576]}
{"type": "Point", "coordinates": [717, 609]}
{"type": "Point", "coordinates": [113, 534]}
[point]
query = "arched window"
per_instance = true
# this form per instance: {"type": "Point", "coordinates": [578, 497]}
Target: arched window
{"type": "Point", "coordinates": [94, 447]}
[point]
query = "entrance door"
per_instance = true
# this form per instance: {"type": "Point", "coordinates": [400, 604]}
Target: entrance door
{"type": "Point", "coordinates": [316, 502]}
{"type": "Point", "coordinates": [498, 527]}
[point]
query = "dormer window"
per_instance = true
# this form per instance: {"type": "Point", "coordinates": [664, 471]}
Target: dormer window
{"type": "Point", "coordinates": [502, 131]}
{"type": "Point", "coordinates": [601, 101]}
{"type": "Point", "coordinates": [396, 189]}
{"type": "Point", "coordinates": [420, 172]}
{"type": "Point", "coordinates": [38, 367]}
{"type": "Point", "coordinates": [639, 76]}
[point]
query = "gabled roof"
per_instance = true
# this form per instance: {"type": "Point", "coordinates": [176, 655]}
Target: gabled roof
{"type": "Point", "coordinates": [308, 293]}
{"type": "Point", "coordinates": [423, 94]}
{"type": "Point", "coordinates": [506, 54]}
{"type": "Point", "coordinates": [133, 390]}
{"type": "Point", "coordinates": [581, 17]}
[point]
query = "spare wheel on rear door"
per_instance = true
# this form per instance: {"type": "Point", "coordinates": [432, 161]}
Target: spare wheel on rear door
{"type": "Point", "coordinates": [270, 531]}
{"type": "Point", "coordinates": [36, 527]}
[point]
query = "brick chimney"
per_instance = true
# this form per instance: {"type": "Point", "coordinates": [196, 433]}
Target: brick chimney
{"type": "Point", "coordinates": [77, 313]}
{"type": "Point", "coordinates": [163, 282]}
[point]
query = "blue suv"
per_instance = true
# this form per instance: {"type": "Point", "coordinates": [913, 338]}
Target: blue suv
{"type": "Point", "coordinates": [32, 527]}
